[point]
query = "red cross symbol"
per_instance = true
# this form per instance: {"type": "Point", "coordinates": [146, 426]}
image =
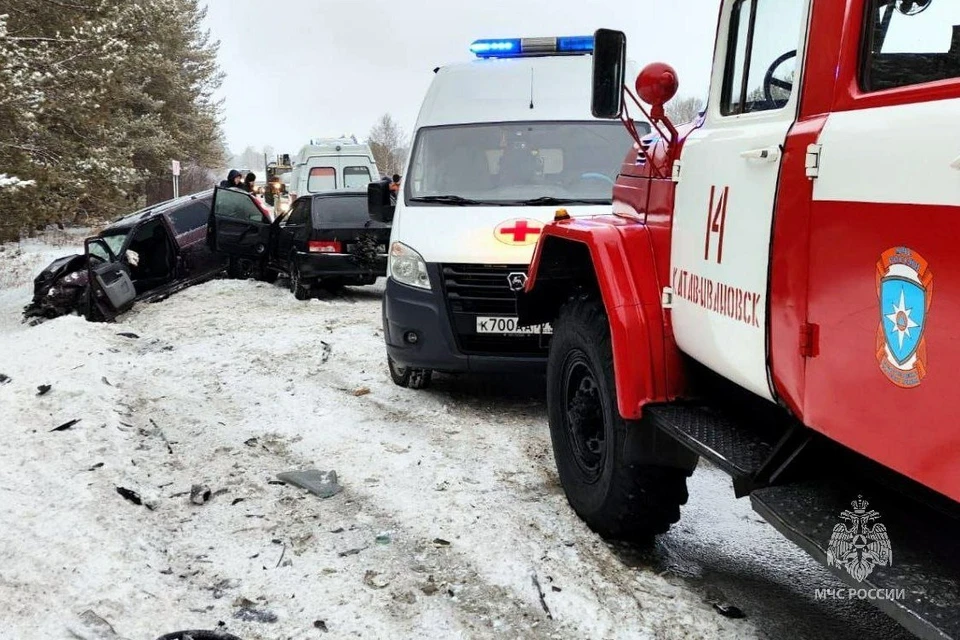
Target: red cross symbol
{"type": "Point", "coordinates": [520, 231]}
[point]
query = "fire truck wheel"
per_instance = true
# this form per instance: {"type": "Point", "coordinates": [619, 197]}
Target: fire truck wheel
{"type": "Point", "coordinates": [616, 499]}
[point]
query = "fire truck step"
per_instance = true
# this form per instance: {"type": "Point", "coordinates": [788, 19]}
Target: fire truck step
{"type": "Point", "coordinates": [923, 564]}
{"type": "Point", "coordinates": [730, 442]}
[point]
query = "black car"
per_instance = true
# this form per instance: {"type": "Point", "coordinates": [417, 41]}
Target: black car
{"type": "Point", "coordinates": [326, 240]}
{"type": "Point", "coordinates": [142, 256]}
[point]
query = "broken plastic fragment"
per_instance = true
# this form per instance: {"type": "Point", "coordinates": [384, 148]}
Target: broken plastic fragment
{"type": "Point", "coordinates": [321, 483]}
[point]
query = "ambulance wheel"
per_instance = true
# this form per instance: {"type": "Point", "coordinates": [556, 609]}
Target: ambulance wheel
{"type": "Point", "coordinates": [301, 290]}
{"type": "Point", "coordinates": [616, 499]}
{"type": "Point", "coordinates": [407, 377]}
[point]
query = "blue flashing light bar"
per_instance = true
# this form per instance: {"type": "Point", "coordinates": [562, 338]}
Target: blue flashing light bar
{"type": "Point", "coordinates": [519, 47]}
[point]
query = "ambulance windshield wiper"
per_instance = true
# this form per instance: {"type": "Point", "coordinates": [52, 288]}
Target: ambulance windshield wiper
{"type": "Point", "coordinates": [455, 200]}
{"type": "Point", "coordinates": [550, 201]}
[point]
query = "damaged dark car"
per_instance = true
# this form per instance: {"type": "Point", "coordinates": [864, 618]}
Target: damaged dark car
{"type": "Point", "coordinates": [144, 256]}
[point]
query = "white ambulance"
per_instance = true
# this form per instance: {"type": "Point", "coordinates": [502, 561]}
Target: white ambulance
{"type": "Point", "coordinates": [328, 164]}
{"type": "Point", "coordinates": [501, 143]}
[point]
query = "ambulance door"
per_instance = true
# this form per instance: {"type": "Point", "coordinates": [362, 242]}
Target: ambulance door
{"type": "Point", "coordinates": [727, 186]}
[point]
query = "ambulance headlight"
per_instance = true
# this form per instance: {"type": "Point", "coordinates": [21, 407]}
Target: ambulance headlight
{"type": "Point", "coordinates": [406, 266]}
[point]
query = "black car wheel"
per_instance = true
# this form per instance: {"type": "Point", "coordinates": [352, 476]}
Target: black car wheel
{"type": "Point", "coordinates": [408, 377]}
{"type": "Point", "coordinates": [616, 498]}
{"type": "Point", "coordinates": [300, 289]}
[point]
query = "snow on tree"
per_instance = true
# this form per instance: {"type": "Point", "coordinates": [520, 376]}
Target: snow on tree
{"type": "Point", "coordinates": [389, 145]}
{"type": "Point", "coordinates": [99, 96]}
{"type": "Point", "coordinates": [683, 110]}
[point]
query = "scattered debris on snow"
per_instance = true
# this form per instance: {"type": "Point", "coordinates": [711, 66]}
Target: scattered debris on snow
{"type": "Point", "coordinates": [199, 494]}
{"type": "Point", "coordinates": [322, 483]}
{"type": "Point", "coordinates": [65, 425]}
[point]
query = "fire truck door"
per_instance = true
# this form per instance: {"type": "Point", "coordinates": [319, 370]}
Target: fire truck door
{"type": "Point", "coordinates": [884, 266]}
{"type": "Point", "coordinates": [727, 186]}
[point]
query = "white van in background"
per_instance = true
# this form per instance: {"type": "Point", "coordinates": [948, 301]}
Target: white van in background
{"type": "Point", "coordinates": [327, 164]}
{"type": "Point", "coordinates": [501, 143]}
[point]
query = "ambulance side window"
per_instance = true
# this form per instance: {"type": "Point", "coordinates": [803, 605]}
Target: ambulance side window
{"type": "Point", "coordinates": [910, 42]}
{"type": "Point", "coordinates": [762, 58]}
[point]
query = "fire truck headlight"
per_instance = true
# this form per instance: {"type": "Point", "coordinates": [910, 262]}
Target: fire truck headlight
{"type": "Point", "coordinates": [406, 266]}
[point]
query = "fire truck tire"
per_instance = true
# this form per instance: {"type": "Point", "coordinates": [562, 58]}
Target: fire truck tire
{"type": "Point", "coordinates": [617, 500]}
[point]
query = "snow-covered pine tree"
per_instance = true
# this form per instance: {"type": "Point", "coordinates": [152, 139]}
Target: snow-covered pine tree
{"type": "Point", "coordinates": [98, 97]}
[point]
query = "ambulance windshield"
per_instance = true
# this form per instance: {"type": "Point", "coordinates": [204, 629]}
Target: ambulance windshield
{"type": "Point", "coordinates": [528, 163]}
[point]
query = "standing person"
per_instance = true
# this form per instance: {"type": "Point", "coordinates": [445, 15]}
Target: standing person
{"type": "Point", "coordinates": [394, 188]}
{"type": "Point", "coordinates": [234, 179]}
{"type": "Point", "coordinates": [248, 182]}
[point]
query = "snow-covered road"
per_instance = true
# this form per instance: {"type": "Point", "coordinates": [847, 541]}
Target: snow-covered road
{"type": "Point", "coordinates": [451, 522]}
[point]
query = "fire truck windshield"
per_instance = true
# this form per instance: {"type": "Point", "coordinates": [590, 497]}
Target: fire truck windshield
{"type": "Point", "coordinates": [536, 163]}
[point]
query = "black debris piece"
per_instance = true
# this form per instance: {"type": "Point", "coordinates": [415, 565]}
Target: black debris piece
{"type": "Point", "coordinates": [43, 389]}
{"type": "Point", "coordinates": [250, 442]}
{"type": "Point", "coordinates": [320, 624]}
{"type": "Point", "coordinates": [440, 542]}
{"type": "Point", "coordinates": [4, 379]}
{"type": "Point", "coordinates": [543, 599]}
{"type": "Point", "coordinates": [106, 382]}
{"type": "Point", "coordinates": [95, 467]}
{"type": "Point", "coordinates": [236, 500]}
{"type": "Point", "coordinates": [729, 610]}
{"type": "Point", "coordinates": [129, 335]}
{"type": "Point", "coordinates": [65, 425]}
{"type": "Point", "coordinates": [132, 496]}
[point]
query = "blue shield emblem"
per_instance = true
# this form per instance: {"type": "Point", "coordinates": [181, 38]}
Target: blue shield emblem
{"type": "Point", "coordinates": [903, 306]}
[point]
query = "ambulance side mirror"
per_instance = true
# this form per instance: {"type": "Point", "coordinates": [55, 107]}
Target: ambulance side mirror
{"type": "Point", "coordinates": [378, 202]}
{"type": "Point", "coordinates": [609, 68]}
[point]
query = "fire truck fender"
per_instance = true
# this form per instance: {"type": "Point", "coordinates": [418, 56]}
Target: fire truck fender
{"type": "Point", "coordinates": [613, 260]}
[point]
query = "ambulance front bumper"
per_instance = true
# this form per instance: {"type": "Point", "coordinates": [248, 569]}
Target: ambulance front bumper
{"type": "Point", "coordinates": [419, 334]}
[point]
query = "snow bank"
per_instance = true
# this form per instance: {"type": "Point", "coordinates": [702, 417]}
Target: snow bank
{"type": "Point", "coordinates": [451, 522]}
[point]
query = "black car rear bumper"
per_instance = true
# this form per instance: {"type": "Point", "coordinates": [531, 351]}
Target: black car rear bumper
{"type": "Point", "coordinates": [409, 312]}
{"type": "Point", "coordinates": [339, 265]}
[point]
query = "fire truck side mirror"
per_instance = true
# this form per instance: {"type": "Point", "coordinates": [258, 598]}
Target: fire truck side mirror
{"type": "Point", "coordinates": [657, 84]}
{"type": "Point", "coordinates": [609, 68]}
{"type": "Point", "coordinates": [378, 202]}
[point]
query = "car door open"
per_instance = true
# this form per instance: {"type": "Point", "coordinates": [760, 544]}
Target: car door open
{"type": "Point", "coordinates": [238, 227]}
{"type": "Point", "coordinates": [111, 290]}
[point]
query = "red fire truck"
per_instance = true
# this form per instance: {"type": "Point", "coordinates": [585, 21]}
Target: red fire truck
{"type": "Point", "coordinates": [775, 290]}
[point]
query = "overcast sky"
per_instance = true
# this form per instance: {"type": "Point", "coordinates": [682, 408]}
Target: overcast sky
{"type": "Point", "coordinates": [312, 68]}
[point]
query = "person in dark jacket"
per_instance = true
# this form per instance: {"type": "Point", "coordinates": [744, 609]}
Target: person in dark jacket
{"type": "Point", "coordinates": [248, 182]}
{"type": "Point", "coordinates": [234, 179]}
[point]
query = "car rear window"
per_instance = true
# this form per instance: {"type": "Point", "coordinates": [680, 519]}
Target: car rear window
{"type": "Point", "coordinates": [339, 210]}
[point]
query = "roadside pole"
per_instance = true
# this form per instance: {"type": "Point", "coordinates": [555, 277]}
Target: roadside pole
{"type": "Point", "coordinates": [175, 166]}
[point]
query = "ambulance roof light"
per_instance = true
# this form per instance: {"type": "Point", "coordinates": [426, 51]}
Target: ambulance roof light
{"type": "Point", "coordinates": [519, 47]}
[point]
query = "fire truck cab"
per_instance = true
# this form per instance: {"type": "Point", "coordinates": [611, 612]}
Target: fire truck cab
{"type": "Point", "coordinates": [762, 295]}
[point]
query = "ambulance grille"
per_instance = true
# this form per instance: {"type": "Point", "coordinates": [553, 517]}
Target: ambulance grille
{"type": "Point", "coordinates": [473, 290]}
{"type": "Point", "coordinates": [480, 289]}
